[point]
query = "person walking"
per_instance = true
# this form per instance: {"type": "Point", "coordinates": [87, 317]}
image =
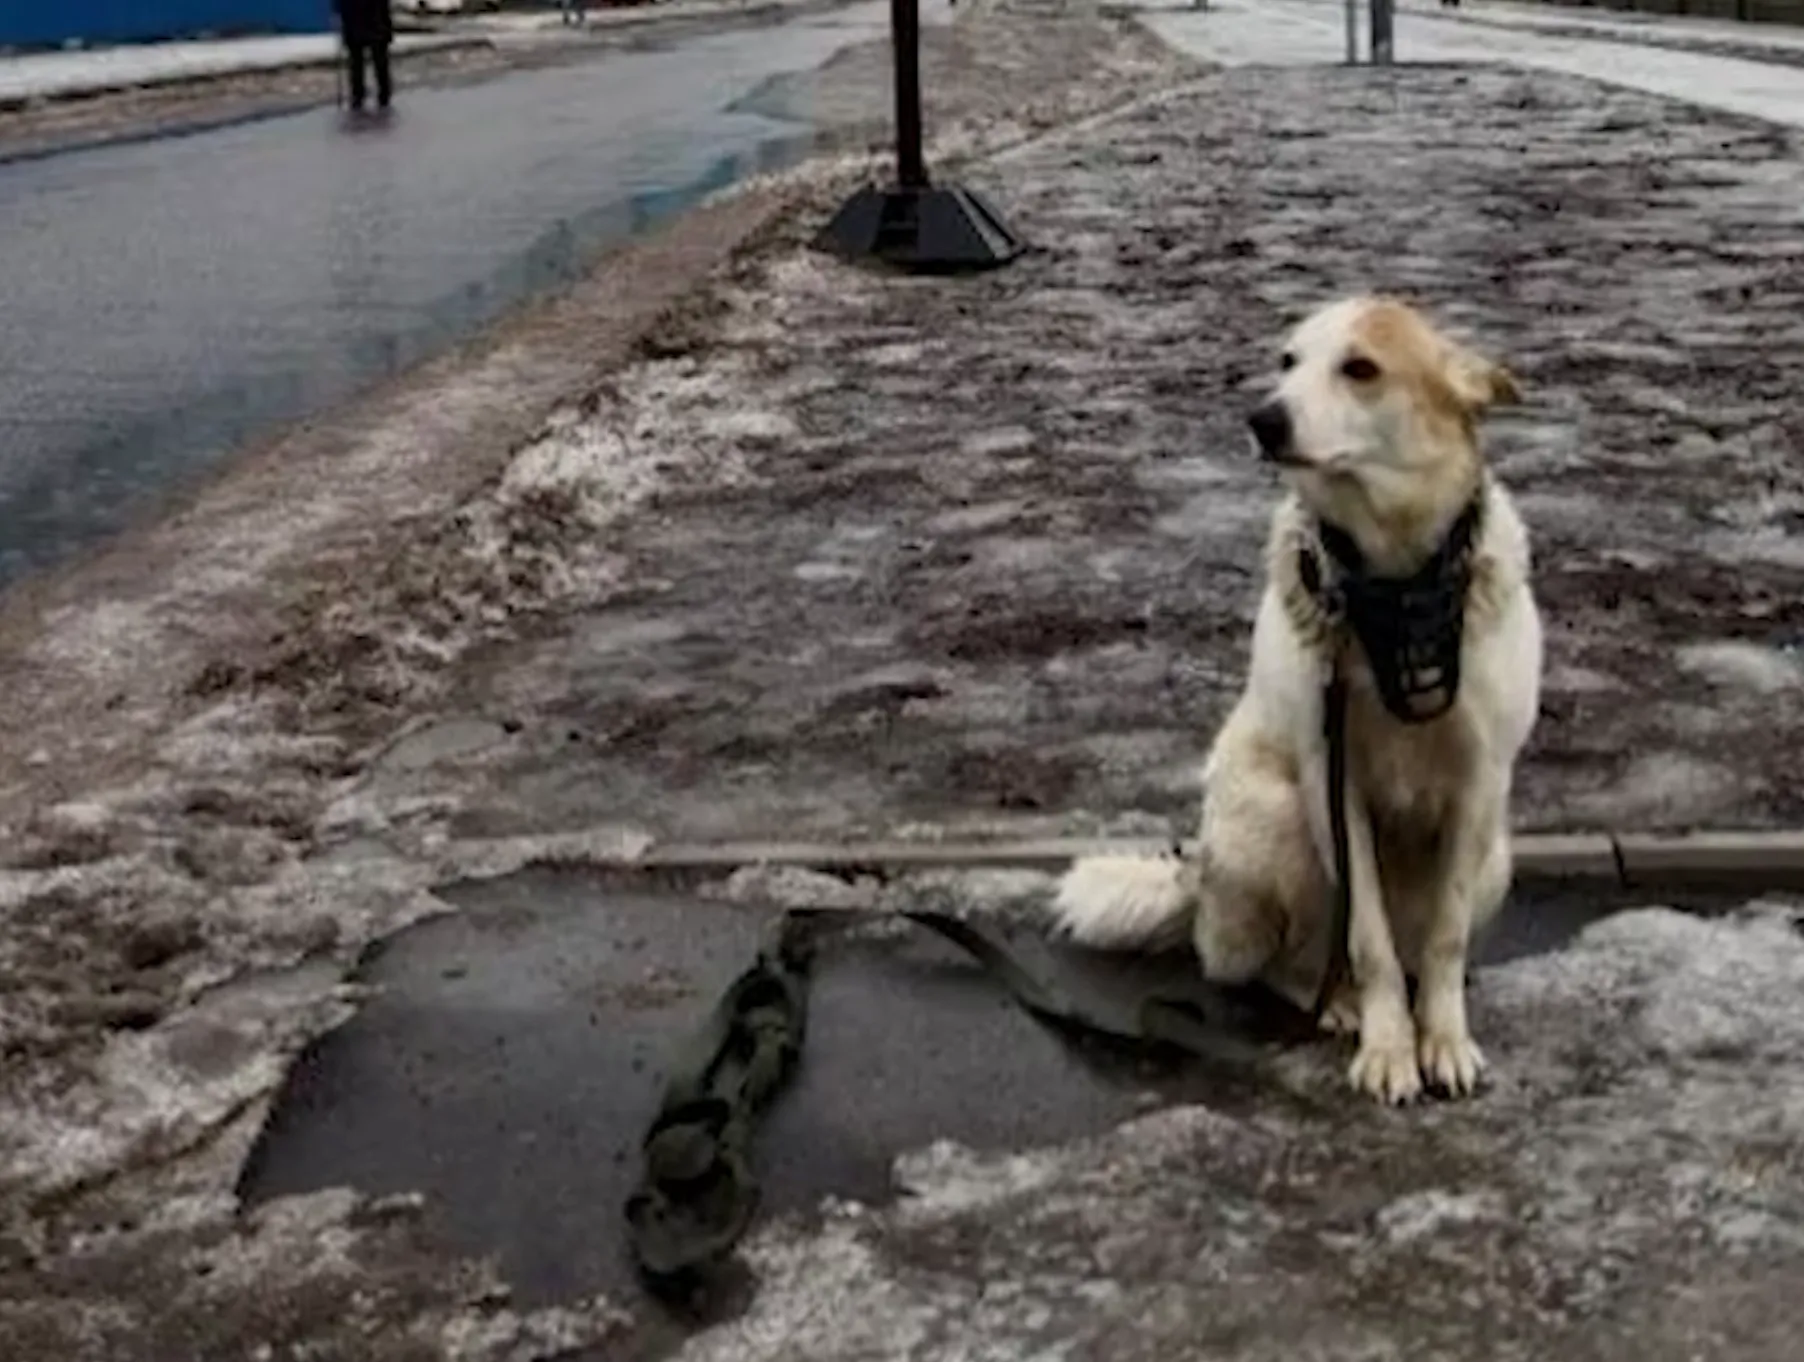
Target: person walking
{"type": "Point", "coordinates": [368, 31]}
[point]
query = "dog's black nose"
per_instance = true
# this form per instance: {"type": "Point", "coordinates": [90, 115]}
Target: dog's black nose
{"type": "Point", "coordinates": [1271, 427]}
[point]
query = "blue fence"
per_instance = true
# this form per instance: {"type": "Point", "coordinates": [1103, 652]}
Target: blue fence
{"type": "Point", "coordinates": [40, 23]}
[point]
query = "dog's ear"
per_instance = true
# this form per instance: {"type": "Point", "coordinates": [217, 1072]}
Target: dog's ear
{"type": "Point", "coordinates": [1479, 383]}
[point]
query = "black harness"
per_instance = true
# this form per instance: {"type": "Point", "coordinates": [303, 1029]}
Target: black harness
{"type": "Point", "coordinates": [1412, 630]}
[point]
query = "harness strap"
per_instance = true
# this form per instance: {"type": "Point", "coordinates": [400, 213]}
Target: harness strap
{"type": "Point", "coordinates": [1334, 730]}
{"type": "Point", "coordinates": [1411, 629]}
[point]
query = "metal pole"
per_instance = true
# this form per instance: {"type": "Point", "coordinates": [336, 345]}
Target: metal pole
{"type": "Point", "coordinates": [1352, 32]}
{"type": "Point", "coordinates": [1381, 32]}
{"type": "Point", "coordinates": [905, 39]}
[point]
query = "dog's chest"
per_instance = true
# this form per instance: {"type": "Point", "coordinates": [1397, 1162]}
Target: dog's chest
{"type": "Point", "coordinates": [1409, 774]}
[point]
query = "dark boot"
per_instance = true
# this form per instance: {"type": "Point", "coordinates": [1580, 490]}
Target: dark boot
{"type": "Point", "coordinates": [354, 57]}
{"type": "Point", "coordinates": [385, 81]}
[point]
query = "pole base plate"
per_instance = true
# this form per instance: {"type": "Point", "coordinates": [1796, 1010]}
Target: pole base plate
{"type": "Point", "coordinates": [938, 229]}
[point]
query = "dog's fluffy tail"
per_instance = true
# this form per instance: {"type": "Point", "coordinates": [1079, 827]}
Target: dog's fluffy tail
{"type": "Point", "coordinates": [1124, 902]}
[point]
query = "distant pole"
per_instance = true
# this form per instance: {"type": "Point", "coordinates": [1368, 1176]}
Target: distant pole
{"type": "Point", "coordinates": [905, 31]}
{"type": "Point", "coordinates": [1352, 32]}
{"type": "Point", "coordinates": [914, 224]}
{"type": "Point", "coordinates": [1382, 30]}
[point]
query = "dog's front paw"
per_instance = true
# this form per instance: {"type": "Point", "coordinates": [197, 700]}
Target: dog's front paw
{"type": "Point", "coordinates": [1451, 1062]}
{"type": "Point", "coordinates": [1386, 1068]}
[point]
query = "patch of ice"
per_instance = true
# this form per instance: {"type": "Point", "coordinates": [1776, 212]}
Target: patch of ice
{"type": "Point", "coordinates": [441, 740]}
{"type": "Point", "coordinates": [820, 573]}
{"type": "Point", "coordinates": [793, 887]}
{"type": "Point", "coordinates": [947, 1177]}
{"type": "Point", "coordinates": [1001, 440]}
{"type": "Point", "coordinates": [980, 890]}
{"type": "Point", "coordinates": [1666, 786]}
{"type": "Point", "coordinates": [1564, 678]}
{"type": "Point", "coordinates": [98, 636]}
{"type": "Point", "coordinates": [590, 458]}
{"type": "Point", "coordinates": [1768, 544]}
{"type": "Point", "coordinates": [491, 858]}
{"type": "Point", "coordinates": [751, 425]}
{"type": "Point", "coordinates": [975, 519]}
{"type": "Point", "coordinates": [1420, 1214]}
{"type": "Point", "coordinates": [1740, 665]}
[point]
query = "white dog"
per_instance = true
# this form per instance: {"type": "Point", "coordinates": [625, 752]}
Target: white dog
{"type": "Point", "coordinates": [1393, 531]}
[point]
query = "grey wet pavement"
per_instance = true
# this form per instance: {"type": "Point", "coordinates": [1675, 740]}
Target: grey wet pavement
{"type": "Point", "coordinates": [167, 301]}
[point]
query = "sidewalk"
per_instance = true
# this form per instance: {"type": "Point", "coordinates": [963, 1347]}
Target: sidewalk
{"type": "Point", "coordinates": [835, 554]}
{"type": "Point", "coordinates": [1312, 32]}
{"type": "Point", "coordinates": [65, 75]}
{"type": "Point", "coordinates": [1671, 30]}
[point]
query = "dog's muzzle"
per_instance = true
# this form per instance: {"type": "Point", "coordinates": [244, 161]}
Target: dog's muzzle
{"type": "Point", "coordinates": [1273, 431]}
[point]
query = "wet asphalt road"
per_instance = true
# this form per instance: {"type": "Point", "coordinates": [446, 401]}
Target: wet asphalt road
{"type": "Point", "coordinates": [162, 303]}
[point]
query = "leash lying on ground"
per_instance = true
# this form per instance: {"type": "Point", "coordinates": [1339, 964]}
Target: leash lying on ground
{"type": "Point", "coordinates": [698, 1192]}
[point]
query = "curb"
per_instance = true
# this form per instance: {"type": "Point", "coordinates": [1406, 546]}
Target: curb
{"type": "Point", "coordinates": [1723, 860]}
{"type": "Point", "coordinates": [1717, 858]}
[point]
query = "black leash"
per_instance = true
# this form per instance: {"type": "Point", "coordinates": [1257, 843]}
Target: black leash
{"type": "Point", "coordinates": [1176, 1022]}
{"type": "Point", "coordinates": [1334, 730]}
{"type": "Point", "coordinates": [698, 1192]}
{"type": "Point", "coordinates": [1412, 631]}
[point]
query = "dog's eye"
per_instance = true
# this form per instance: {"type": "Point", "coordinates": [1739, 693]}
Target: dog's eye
{"type": "Point", "coordinates": [1359, 369]}
{"type": "Point", "coordinates": [1287, 361]}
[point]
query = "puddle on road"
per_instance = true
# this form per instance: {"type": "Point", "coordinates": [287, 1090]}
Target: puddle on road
{"type": "Point", "coordinates": [510, 1061]}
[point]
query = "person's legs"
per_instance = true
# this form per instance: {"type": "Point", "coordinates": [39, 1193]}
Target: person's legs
{"type": "Point", "coordinates": [385, 81]}
{"type": "Point", "coordinates": [354, 54]}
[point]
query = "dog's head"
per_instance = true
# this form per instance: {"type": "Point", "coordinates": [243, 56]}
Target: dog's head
{"type": "Point", "coordinates": [1372, 402]}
